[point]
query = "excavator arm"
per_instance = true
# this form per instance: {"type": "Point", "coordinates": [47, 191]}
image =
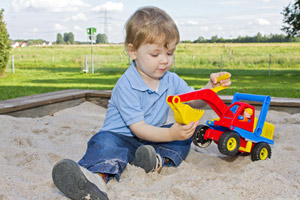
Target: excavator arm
{"type": "Point", "coordinates": [184, 114]}
{"type": "Point", "coordinates": [207, 95]}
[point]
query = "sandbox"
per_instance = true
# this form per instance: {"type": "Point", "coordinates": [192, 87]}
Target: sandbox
{"type": "Point", "coordinates": [31, 145]}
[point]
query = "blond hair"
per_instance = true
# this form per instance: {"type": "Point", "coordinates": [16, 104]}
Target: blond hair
{"type": "Point", "coordinates": [150, 25]}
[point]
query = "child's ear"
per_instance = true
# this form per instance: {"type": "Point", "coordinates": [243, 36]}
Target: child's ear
{"type": "Point", "coordinates": [131, 51]}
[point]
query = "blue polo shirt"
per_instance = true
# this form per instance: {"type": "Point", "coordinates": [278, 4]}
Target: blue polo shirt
{"type": "Point", "coordinates": [133, 101]}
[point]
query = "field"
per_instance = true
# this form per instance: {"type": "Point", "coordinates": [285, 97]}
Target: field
{"type": "Point", "coordinates": [267, 69]}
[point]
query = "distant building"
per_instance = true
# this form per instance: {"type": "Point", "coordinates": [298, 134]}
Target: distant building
{"type": "Point", "coordinates": [23, 44]}
{"type": "Point", "coordinates": [15, 44]}
{"type": "Point", "coordinates": [18, 44]}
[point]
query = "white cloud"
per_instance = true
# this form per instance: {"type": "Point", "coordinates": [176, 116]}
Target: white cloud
{"type": "Point", "coordinates": [179, 23]}
{"type": "Point", "coordinates": [231, 3]}
{"type": "Point", "coordinates": [109, 6]}
{"type": "Point", "coordinates": [59, 27]}
{"type": "Point", "coordinates": [79, 17]}
{"type": "Point", "coordinates": [240, 32]}
{"type": "Point", "coordinates": [187, 23]}
{"type": "Point", "coordinates": [262, 22]}
{"type": "Point", "coordinates": [204, 28]}
{"type": "Point", "coordinates": [35, 30]}
{"type": "Point", "coordinates": [49, 5]}
{"type": "Point", "coordinates": [191, 22]}
{"type": "Point", "coordinates": [77, 28]}
{"type": "Point", "coordinates": [218, 28]}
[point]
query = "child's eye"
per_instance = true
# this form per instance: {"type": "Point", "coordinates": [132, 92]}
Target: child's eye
{"type": "Point", "coordinates": [154, 55]}
{"type": "Point", "coordinates": [170, 53]}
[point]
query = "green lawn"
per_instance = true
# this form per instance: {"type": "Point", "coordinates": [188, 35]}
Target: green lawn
{"type": "Point", "coordinates": [45, 69]}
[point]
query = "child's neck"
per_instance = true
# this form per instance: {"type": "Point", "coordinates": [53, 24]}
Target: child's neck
{"type": "Point", "coordinates": [150, 82]}
{"type": "Point", "coordinates": [153, 84]}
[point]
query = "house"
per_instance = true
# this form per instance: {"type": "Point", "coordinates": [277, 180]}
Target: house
{"type": "Point", "coordinates": [23, 44]}
{"type": "Point", "coordinates": [18, 44]}
{"type": "Point", "coordinates": [15, 44]}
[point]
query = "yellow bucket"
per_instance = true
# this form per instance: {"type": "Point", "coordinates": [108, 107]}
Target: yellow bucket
{"type": "Point", "coordinates": [183, 113]}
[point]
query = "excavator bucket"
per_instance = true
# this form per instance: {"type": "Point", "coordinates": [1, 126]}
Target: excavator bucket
{"type": "Point", "coordinates": [183, 113]}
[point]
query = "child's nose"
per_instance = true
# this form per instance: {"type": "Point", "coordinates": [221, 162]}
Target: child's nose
{"type": "Point", "coordinates": [164, 59]}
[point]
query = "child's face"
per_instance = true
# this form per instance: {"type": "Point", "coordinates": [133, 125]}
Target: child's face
{"type": "Point", "coordinates": [153, 60]}
{"type": "Point", "coordinates": [246, 114]}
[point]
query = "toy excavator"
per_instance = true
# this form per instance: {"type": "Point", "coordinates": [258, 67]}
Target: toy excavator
{"type": "Point", "coordinates": [236, 130]}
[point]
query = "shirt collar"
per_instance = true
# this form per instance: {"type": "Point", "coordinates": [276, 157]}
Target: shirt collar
{"type": "Point", "coordinates": [138, 83]}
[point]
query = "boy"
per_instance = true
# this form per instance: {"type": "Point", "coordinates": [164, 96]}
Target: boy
{"type": "Point", "coordinates": [133, 130]}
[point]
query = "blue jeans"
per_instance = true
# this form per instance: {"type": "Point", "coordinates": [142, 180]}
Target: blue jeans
{"type": "Point", "coordinates": [109, 153]}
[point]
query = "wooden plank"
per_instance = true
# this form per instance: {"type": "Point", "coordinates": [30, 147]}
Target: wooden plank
{"type": "Point", "coordinates": [22, 103]}
{"type": "Point", "coordinates": [98, 93]}
{"type": "Point", "coordinates": [48, 109]}
{"type": "Point", "coordinates": [39, 100]}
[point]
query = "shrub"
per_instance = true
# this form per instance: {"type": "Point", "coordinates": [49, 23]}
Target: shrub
{"type": "Point", "coordinates": [4, 44]}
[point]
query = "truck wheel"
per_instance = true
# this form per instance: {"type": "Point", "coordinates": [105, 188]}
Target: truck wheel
{"type": "Point", "coordinates": [229, 143]}
{"type": "Point", "coordinates": [198, 137]}
{"type": "Point", "coordinates": [261, 151]}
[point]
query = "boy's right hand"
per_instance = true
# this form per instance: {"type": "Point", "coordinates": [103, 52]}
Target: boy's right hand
{"type": "Point", "coordinates": [159, 134]}
{"type": "Point", "coordinates": [183, 132]}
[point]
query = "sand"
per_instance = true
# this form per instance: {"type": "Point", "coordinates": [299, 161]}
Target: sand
{"type": "Point", "coordinates": [29, 147]}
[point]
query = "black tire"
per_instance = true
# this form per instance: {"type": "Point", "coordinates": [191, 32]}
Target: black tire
{"type": "Point", "coordinates": [198, 137]}
{"type": "Point", "coordinates": [229, 143]}
{"type": "Point", "coordinates": [261, 151]}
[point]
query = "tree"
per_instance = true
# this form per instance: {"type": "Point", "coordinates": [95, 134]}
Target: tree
{"type": "Point", "coordinates": [200, 39]}
{"type": "Point", "coordinates": [214, 38]}
{"type": "Point", "coordinates": [291, 15]}
{"type": "Point", "coordinates": [4, 44]}
{"type": "Point", "coordinates": [71, 38]}
{"type": "Point", "coordinates": [66, 37]}
{"type": "Point", "coordinates": [101, 38]}
{"type": "Point", "coordinates": [258, 37]}
{"type": "Point", "coordinates": [59, 39]}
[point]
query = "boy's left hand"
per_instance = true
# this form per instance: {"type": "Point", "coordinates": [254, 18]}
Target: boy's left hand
{"type": "Point", "coordinates": [214, 76]}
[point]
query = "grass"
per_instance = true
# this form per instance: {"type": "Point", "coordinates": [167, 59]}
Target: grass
{"type": "Point", "coordinates": [45, 69]}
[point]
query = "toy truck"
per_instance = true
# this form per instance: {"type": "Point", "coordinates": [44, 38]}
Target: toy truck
{"type": "Point", "coordinates": [232, 131]}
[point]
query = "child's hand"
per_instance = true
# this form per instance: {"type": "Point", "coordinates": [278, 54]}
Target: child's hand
{"type": "Point", "coordinates": [214, 76]}
{"type": "Point", "coordinates": [183, 132]}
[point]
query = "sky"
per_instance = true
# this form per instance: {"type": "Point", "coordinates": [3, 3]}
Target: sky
{"type": "Point", "coordinates": [44, 19]}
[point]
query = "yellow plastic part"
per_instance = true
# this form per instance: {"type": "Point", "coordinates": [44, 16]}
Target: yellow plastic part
{"type": "Point", "coordinates": [263, 154]}
{"type": "Point", "coordinates": [268, 129]}
{"type": "Point", "coordinates": [183, 113]}
{"type": "Point", "coordinates": [231, 144]}
{"type": "Point", "coordinates": [212, 120]}
{"type": "Point", "coordinates": [223, 77]}
{"type": "Point", "coordinates": [221, 87]}
{"type": "Point", "coordinates": [248, 147]}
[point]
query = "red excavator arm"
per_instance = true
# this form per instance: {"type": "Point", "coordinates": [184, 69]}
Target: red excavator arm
{"type": "Point", "coordinates": [207, 95]}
